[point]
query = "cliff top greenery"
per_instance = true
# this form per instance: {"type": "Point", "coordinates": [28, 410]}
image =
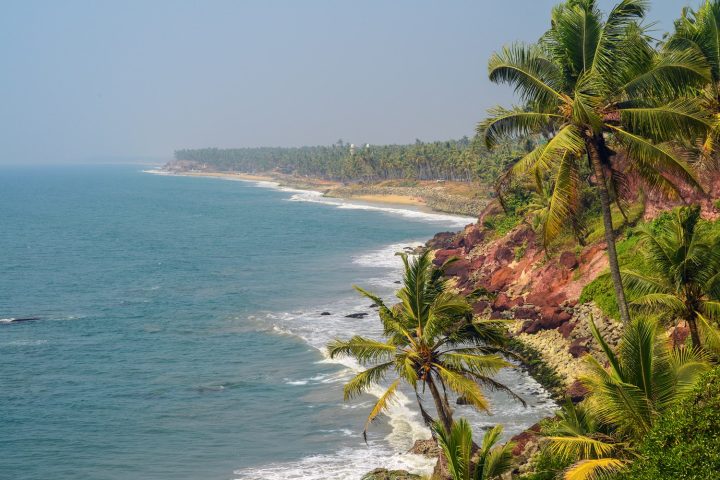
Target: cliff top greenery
{"type": "Point", "coordinates": [463, 160]}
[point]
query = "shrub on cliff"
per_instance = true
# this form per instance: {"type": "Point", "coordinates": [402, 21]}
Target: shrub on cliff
{"type": "Point", "coordinates": [465, 462]}
{"type": "Point", "coordinates": [641, 382]}
{"type": "Point", "coordinates": [684, 443]}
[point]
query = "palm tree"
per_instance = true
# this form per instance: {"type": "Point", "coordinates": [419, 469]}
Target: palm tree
{"type": "Point", "coordinates": [431, 341]}
{"type": "Point", "coordinates": [644, 379]}
{"type": "Point", "coordinates": [698, 30]}
{"type": "Point", "coordinates": [596, 83]}
{"type": "Point", "coordinates": [490, 462]}
{"type": "Point", "coordinates": [683, 279]}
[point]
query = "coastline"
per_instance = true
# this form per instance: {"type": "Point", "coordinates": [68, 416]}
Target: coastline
{"type": "Point", "coordinates": [440, 197]}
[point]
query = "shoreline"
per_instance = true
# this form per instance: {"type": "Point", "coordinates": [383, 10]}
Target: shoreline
{"type": "Point", "coordinates": [440, 197]}
{"type": "Point", "coordinates": [326, 188]}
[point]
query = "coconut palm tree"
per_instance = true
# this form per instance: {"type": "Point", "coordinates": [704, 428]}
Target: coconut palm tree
{"type": "Point", "coordinates": [598, 85]}
{"type": "Point", "coordinates": [431, 341]}
{"type": "Point", "coordinates": [698, 30]}
{"type": "Point", "coordinates": [468, 462]}
{"type": "Point", "coordinates": [642, 380]}
{"type": "Point", "coordinates": [682, 260]}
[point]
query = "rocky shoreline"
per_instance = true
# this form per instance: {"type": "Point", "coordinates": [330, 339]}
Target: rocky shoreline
{"type": "Point", "coordinates": [538, 295]}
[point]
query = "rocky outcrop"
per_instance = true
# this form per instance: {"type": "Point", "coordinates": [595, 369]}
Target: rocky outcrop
{"type": "Point", "coordinates": [538, 291]}
{"type": "Point", "coordinates": [527, 444]}
{"type": "Point", "coordinates": [385, 474]}
{"type": "Point", "coordinates": [428, 448]}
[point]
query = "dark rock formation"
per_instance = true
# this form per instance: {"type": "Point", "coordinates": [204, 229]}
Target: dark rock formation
{"type": "Point", "coordinates": [579, 347]}
{"type": "Point", "coordinates": [356, 315]}
{"type": "Point", "coordinates": [577, 391]}
{"type": "Point", "coordinates": [568, 260]}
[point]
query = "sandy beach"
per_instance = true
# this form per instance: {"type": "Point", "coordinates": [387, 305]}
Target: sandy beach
{"type": "Point", "coordinates": [327, 187]}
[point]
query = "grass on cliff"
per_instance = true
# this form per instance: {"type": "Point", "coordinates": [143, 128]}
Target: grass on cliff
{"type": "Point", "coordinates": [601, 292]}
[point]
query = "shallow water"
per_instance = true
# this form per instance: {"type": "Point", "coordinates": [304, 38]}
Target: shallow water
{"type": "Point", "coordinates": [180, 332]}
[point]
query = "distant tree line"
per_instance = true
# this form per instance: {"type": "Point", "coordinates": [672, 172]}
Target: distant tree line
{"type": "Point", "coordinates": [460, 160]}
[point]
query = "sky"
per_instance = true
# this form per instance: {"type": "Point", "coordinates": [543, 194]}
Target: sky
{"type": "Point", "coordinates": [110, 81]}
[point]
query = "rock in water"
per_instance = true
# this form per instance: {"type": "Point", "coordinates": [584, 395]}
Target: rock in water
{"type": "Point", "coordinates": [356, 315]}
{"type": "Point", "coordinates": [428, 447]}
{"type": "Point", "coordinates": [326, 313]}
{"type": "Point", "coordinates": [385, 474]}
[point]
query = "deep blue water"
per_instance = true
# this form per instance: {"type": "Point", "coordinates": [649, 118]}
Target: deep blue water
{"type": "Point", "coordinates": [179, 327]}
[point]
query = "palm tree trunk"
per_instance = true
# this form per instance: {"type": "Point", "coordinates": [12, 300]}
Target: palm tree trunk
{"type": "Point", "coordinates": [595, 150]}
{"type": "Point", "coordinates": [443, 411]}
{"type": "Point", "coordinates": [694, 333]}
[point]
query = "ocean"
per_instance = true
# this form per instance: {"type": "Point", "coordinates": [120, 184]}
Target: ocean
{"type": "Point", "coordinates": [179, 332]}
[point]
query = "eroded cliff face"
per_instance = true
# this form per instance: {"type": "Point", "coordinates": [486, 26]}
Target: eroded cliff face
{"type": "Point", "coordinates": [539, 292]}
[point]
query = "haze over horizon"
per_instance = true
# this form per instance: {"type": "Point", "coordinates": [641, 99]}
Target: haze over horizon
{"type": "Point", "coordinates": [102, 81]}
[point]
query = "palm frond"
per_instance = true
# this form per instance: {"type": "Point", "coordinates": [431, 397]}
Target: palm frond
{"type": "Point", "coordinates": [567, 141]}
{"type": "Point", "coordinates": [653, 161]}
{"type": "Point", "coordinates": [366, 379]}
{"type": "Point", "coordinates": [672, 73]}
{"type": "Point", "coordinates": [578, 446]}
{"type": "Point", "coordinates": [535, 79]}
{"type": "Point", "coordinates": [382, 404]}
{"type": "Point", "coordinates": [594, 469]}
{"type": "Point", "coordinates": [564, 202]}
{"type": "Point", "coordinates": [515, 123]}
{"type": "Point", "coordinates": [464, 387]}
{"type": "Point", "coordinates": [710, 332]}
{"type": "Point", "coordinates": [498, 461]}
{"type": "Point", "coordinates": [612, 358]}
{"type": "Point", "coordinates": [679, 119]}
{"type": "Point", "coordinates": [365, 350]}
{"type": "Point", "coordinates": [456, 446]}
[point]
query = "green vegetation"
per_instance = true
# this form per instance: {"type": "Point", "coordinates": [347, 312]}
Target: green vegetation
{"type": "Point", "coordinates": [464, 160]}
{"type": "Point", "coordinates": [681, 274]}
{"type": "Point", "coordinates": [545, 466]}
{"type": "Point", "coordinates": [644, 379]}
{"type": "Point", "coordinates": [670, 266]}
{"type": "Point", "coordinates": [600, 290]}
{"type": "Point", "coordinates": [488, 462]}
{"type": "Point", "coordinates": [684, 442]}
{"type": "Point", "coordinates": [593, 85]}
{"type": "Point", "coordinates": [431, 341]}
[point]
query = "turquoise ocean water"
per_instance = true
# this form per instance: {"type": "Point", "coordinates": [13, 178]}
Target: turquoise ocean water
{"type": "Point", "coordinates": [179, 332]}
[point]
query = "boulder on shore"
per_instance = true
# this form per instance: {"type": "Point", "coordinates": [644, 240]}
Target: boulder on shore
{"type": "Point", "coordinates": [428, 447]}
{"type": "Point", "coordinates": [385, 474]}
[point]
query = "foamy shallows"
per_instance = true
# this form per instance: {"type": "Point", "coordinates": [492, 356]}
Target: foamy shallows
{"type": "Point", "coordinates": [403, 420]}
{"type": "Point", "coordinates": [410, 213]}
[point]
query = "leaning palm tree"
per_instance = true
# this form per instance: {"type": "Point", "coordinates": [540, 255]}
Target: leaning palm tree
{"type": "Point", "coordinates": [431, 341]}
{"type": "Point", "coordinates": [683, 273]}
{"type": "Point", "coordinates": [596, 83]}
{"type": "Point", "coordinates": [468, 462]}
{"type": "Point", "coordinates": [642, 380]}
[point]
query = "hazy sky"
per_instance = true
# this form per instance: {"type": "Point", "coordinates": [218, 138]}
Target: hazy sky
{"type": "Point", "coordinates": [99, 80]}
